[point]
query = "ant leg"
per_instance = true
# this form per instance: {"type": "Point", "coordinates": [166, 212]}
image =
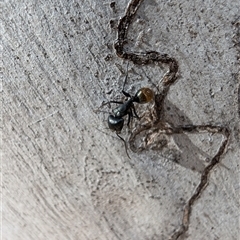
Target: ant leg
{"type": "Point", "coordinates": [135, 113]}
{"type": "Point", "coordinates": [126, 94]}
{"type": "Point", "coordinates": [118, 102]}
{"type": "Point", "coordinates": [98, 110]}
{"type": "Point", "coordinates": [129, 119]}
{"type": "Point", "coordinates": [130, 115]}
{"type": "Point", "coordinates": [106, 103]}
{"type": "Point", "coordinates": [124, 144]}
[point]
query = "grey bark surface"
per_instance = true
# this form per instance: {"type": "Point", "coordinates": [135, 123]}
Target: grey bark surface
{"type": "Point", "coordinates": [65, 174]}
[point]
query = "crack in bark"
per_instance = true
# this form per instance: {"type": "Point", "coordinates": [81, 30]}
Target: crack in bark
{"type": "Point", "coordinates": [155, 120]}
{"type": "Point", "coordinates": [203, 182]}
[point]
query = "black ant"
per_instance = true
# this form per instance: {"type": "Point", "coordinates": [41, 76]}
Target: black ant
{"type": "Point", "coordinates": [116, 120]}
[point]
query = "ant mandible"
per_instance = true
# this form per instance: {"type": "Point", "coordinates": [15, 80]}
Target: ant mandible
{"type": "Point", "coordinates": [116, 120]}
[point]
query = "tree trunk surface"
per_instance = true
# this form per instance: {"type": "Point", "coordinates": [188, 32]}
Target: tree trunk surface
{"type": "Point", "coordinates": [66, 175]}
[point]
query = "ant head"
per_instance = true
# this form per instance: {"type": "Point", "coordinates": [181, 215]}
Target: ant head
{"type": "Point", "coordinates": [115, 123]}
{"type": "Point", "coordinates": [144, 95]}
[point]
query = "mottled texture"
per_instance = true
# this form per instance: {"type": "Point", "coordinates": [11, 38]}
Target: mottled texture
{"type": "Point", "coordinates": [65, 175]}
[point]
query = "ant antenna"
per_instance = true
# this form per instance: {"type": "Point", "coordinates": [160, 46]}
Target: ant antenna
{"type": "Point", "coordinates": [125, 77]}
{"type": "Point", "coordinates": [103, 104]}
{"type": "Point", "coordinates": [154, 84]}
{"type": "Point", "coordinates": [124, 144]}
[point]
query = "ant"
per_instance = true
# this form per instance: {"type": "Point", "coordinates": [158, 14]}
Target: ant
{"type": "Point", "coordinates": [116, 120]}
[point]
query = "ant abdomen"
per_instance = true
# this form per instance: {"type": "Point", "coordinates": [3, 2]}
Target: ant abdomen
{"type": "Point", "coordinates": [144, 95]}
